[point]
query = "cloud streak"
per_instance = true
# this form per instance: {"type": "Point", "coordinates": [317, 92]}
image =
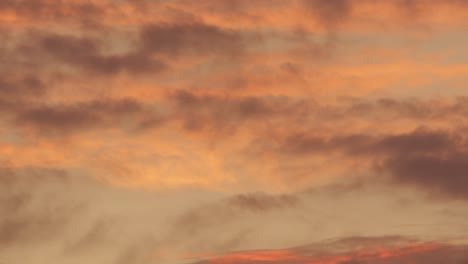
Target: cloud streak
{"type": "Point", "coordinates": [414, 252]}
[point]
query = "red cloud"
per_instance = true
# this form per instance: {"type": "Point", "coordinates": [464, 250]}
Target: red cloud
{"type": "Point", "coordinates": [408, 253]}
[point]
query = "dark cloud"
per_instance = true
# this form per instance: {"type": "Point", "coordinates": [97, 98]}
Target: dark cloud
{"type": "Point", "coordinates": [17, 91]}
{"type": "Point", "coordinates": [434, 160]}
{"type": "Point", "coordinates": [224, 113]}
{"type": "Point", "coordinates": [190, 39]}
{"type": "Point", "coordinates": [61, 119]}
{"type": "Point", "coordinates": [263, 202]}
{"type": "Point", "coordinates": [153, 41]}
{"type": "Point", "coordinates": [441, 174]}
{"type": "Point", "coordinates": [421, 141]}
{"type": "Point", "coordinates": [199, 111]}
{"type": "Point", "coordinates": [86, 54]}
{"type": "Point", "coordinates": [25, 86]}
{"type": "Point", "coordinates": [431, 159]}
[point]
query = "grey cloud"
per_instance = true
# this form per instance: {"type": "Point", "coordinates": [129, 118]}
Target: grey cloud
{"type": "Point", "coordinates": [61, 119]}
{"type": "Point", "coordinates": [86, 54]}
{"type": "Point", "coordinates": [442, 175]}
{"type": "Point", "coordinates": [436, 161]}
{"type": "Point", "coordinates": [190, 39]}
{"type": "Point", "coordinates": [152, 42]}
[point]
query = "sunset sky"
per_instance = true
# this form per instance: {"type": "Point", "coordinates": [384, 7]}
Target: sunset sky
{"type": "Point", "coordinates": [234, 131]}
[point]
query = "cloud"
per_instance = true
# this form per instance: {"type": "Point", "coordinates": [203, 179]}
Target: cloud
{"type": "Point", "coordinates": [26, 86]}
{"type": "Point", "coordinates": [60, 214]}
{"type": "Point", "coordinates": [85, 54]}
{"type": "Point", "coordinates": [55, 11]}
{"type": "Point", "coordinates": [419, 141]}
{"type": "Point", "coordinates": [330, 13]}
{"type": "Point", "coordinates": [28, 215]}
{"type": "Point", "coordinates": [263, 202]}
{"type": "Point", "coordinates": [200, 110]}
{"type": "Point", "coordinates": [224, 209]}
{"type": "Point", "coordinates": [149, 45]}
{"type": "Point", "coordinates": [213, 112]}
{"type": "Point", "coordinates": [190, 39]}
{"type": "Point", "coordinates": [86, 220]}
{"type": "Point", "coordinates": [352, 250]}
{"type": "Point", "coordinates": [71, 118]}
{"type": "Point", "coordinates": [15, 92]}
{"type": "Point", "coordinates": [433, 160]}
{"type": "Point", "coordinates": [442, 174]}
{"type": "Point", "coordinates": [228, 221]}
{"type": "Point", "coordinates": [288, 134]}
{"type": "Point", "coordinates": [248, 98]}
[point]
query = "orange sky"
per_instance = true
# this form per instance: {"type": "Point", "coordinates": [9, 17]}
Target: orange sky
{"type": "Point", "coordinates": [145, 131]}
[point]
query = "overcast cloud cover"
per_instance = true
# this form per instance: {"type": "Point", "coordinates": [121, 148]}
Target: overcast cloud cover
{"type": "Point", "coordinates": [234, 131]}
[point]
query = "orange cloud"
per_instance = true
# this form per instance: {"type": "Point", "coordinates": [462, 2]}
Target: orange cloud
{"type": "Point", "coordinates": [391, 254]}
{"type": "Point", "coordinates": [207, 94]}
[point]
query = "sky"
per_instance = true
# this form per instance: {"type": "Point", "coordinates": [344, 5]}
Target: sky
{"type": "Point", "coordinates": [234, 131]}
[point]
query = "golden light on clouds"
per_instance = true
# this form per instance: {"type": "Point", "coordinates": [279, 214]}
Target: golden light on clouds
{"type": "Point", "coordinates": [304, 131]}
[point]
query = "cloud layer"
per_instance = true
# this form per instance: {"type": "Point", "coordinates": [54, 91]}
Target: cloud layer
{"type": "Point", "coordinates": [233, 130]}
